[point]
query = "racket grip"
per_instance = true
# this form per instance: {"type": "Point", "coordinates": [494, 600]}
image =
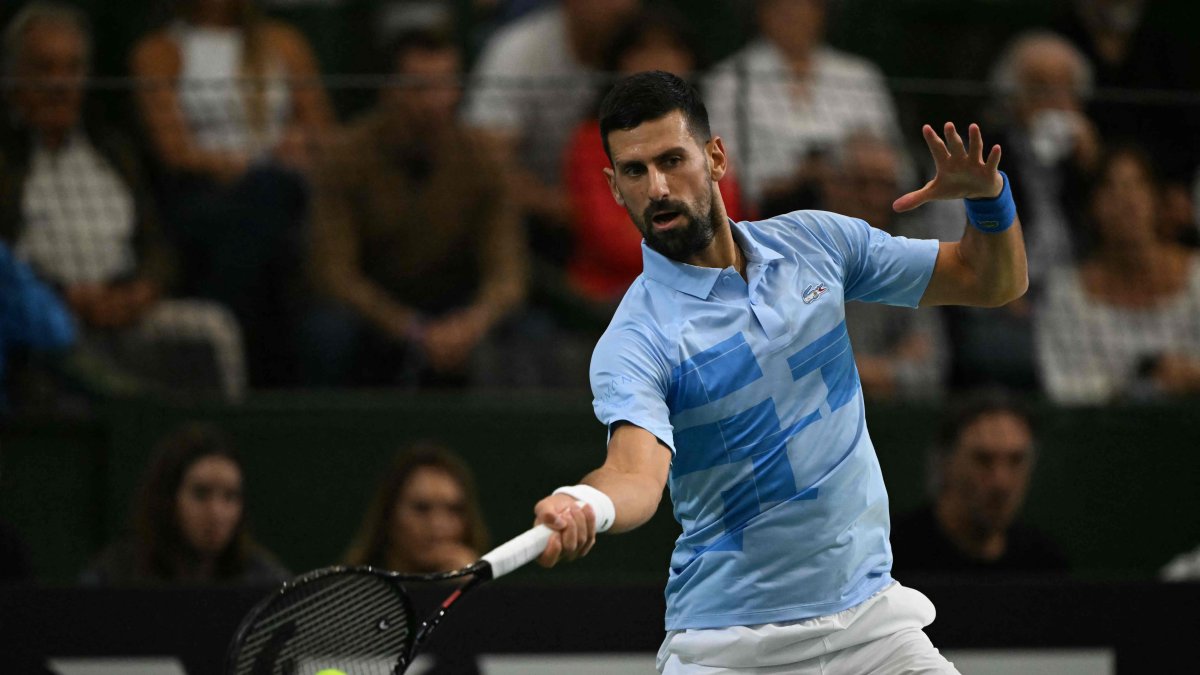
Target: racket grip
{"type": "Point", "coordinates": [518, 551]}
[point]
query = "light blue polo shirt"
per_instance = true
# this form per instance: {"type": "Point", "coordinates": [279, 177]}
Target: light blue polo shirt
{"type": "Point", "coordinates": [753, 387]}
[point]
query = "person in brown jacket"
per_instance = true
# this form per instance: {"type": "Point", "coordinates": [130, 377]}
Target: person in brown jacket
{"type": "Point", "coordinates": [415, 247]}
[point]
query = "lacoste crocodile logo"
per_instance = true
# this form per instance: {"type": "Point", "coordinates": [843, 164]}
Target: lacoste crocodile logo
{"type": "Point", "coordinates": [813, 292]}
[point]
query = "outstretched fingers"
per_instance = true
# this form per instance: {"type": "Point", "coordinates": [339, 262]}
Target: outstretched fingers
{"type": "Point", "coordinates": [913, 199]}
{"type": "Point", "coordinates": [954, 142]}
{"type": "Point", "coordinates": [937, 147]}
{"type": "Point", "coordinates": [975, 147]}
{"type": "Point", "coordinates": [993, 160]}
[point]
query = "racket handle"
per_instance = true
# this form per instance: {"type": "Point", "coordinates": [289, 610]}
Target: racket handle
{"type": "Point", "coordinates": [518, 551]}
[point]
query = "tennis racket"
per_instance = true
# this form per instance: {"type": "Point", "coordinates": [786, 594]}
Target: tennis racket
{"type": "Point", "coordinates": [357, 620]}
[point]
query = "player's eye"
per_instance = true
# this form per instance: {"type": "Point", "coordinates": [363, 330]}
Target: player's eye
{"type": "Point", "coordinates": [634, 171]}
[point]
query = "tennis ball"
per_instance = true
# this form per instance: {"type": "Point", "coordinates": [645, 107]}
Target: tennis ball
{"type": "Point", "coordinates": [331, 671]}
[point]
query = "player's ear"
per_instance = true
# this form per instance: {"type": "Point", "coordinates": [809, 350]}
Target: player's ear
{"type": "Point", "coordinates": [718, 161]}
{"type": "Point", "coordinates": [611, 177]}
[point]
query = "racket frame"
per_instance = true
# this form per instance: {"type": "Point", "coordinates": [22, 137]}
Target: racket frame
{"type": "Point", "coordinates": [478, 572]}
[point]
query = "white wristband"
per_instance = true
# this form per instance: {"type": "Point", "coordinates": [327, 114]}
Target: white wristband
{"type": "Point", "coordinates": [603, 507]}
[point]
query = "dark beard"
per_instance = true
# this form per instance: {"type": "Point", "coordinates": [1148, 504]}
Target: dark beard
{"type": "Point", "coordinates": [683, 242]}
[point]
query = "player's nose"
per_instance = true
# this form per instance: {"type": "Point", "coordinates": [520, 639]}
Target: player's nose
{"type": "Point", "coordinates": [658, 185]}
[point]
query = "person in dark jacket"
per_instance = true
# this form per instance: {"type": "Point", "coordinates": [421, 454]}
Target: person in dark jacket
{"type": "Point", "coordinates": [980, 474]}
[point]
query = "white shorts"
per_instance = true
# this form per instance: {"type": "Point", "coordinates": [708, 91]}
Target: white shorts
{"type": "Point", "coordinates": [881, 636]}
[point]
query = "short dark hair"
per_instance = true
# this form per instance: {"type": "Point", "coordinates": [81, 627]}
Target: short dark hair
{"type": "Point", "coordinates": [434, 38]}
{"type": "Point", "coordinates": [971, 407]}
{"type": "Point", "coordinates": [649, 96]}
{"type": "Point", "coordinates": [963, 413]}
{"type": "Point", "coordinates": [658, 21]}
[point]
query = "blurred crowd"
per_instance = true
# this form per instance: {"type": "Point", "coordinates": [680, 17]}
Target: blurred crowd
{"type": "Point", "coordinates": [239, 231]}
{"type": "Point", "coordinates": [189, 522]}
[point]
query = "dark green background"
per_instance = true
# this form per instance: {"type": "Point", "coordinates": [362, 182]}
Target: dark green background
{"type": "Point", "coordinates": [1118, 488]}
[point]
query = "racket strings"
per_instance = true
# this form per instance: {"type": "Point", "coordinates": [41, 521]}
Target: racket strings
{"type": "Point", "coordinates": [356, 623]}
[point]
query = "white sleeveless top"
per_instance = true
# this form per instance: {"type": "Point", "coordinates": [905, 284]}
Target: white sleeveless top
{"type": "Point", "coordinates": [214, 96]}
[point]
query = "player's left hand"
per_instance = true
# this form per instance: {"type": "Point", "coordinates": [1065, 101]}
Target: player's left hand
{"type": "Point", "coordinates": [962, 172]}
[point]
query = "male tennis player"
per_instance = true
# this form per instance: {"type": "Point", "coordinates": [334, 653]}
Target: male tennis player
{"type": "Point", "coordinates": [727, 374]}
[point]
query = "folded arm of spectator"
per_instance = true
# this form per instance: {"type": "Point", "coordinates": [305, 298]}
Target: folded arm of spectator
{"type": "Point", "coordinates": [115, 305]}
{"type": "Point", "coordinates": [504, 270]}
{"type": "Point", "coordinates": [121, 302]}
{"type": "Point", "coordinates": [335, 259]}
{"type": "Point", "coordinates": [1177, 374]}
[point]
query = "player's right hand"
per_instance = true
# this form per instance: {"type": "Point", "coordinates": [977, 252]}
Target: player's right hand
{"type": "Point", "coordinates": [574, 528]}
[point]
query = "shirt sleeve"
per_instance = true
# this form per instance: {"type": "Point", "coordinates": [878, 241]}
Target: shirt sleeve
{"type": "Point", "coordinates": [630, 378]}
{"type": "Point", "coordinates": [31, 314]}
{"type": "Point", "coordinates": [877, 267]}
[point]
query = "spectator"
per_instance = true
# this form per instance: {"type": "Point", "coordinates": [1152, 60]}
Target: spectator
{"type": "Point", "coordinates": [414, 240]}
{"type": "Point", "coordinates": [1041, 83]}
{"type": "Point", "coordinates": [424, 517]}
{"type": "Point", "coordinates": [32, 316]}
{"type": "Point", "coordinates": [788, 98]}
{"type": "Point", "coordinates": [899, 353]}
{"type": "Point", "coordinates": [234, 114]}
{"type": "Point", "coordinates": [1139, 45]}
{"type": "Point", "coordinates": [1125, 323]}
{"type": "Point", "coordinates": [979, 472]}
{"type": "Point", "coordinates": [532, 85]}
{"type": "Point", "coordinates": [75, 205]}
{"type": "Point", "coordinates": [607, 255]}
{"type": "Point", "coordinates": [189, 521]}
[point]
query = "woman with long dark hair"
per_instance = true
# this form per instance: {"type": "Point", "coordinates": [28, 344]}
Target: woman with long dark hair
{"type": "Point", "coordinates": [189, 520]}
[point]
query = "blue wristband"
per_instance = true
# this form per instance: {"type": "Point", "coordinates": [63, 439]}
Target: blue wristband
{"type": "Point", "coordinates": [993, 215]}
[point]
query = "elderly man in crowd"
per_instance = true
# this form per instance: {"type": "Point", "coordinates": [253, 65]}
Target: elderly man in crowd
{"type": "Point", "coordinates": [73, 204]}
